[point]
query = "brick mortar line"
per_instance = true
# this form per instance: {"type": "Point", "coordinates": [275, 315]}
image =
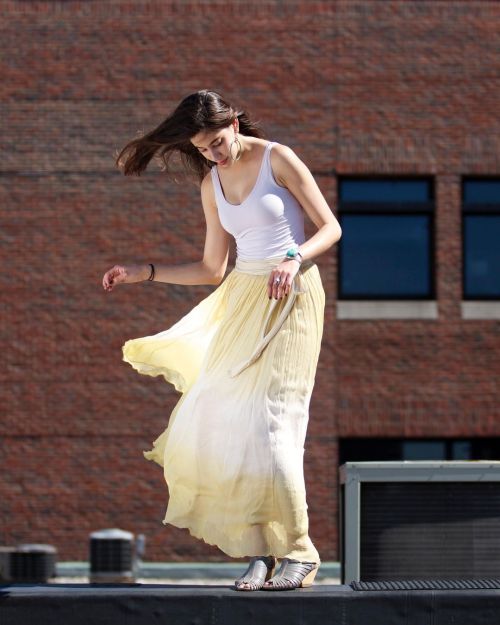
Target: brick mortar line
{"type": "Point", "coordinates": [101, 174]}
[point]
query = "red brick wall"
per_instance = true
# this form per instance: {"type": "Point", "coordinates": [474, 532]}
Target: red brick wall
{"type": "Point", "coordinates": [354, 87]}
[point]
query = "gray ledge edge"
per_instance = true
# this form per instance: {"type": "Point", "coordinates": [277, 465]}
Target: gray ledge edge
{"type": "Point", "coordinates": [480, 310]}
{"type": "Point", "coordinates": [387, 309]}
{"type": "Point", "coordinates": [185, 570]}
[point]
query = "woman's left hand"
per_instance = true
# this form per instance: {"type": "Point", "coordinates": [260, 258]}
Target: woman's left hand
{"type": "Point", "coordinates": [281, 278]}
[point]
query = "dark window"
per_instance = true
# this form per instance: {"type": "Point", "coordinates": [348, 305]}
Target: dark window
{"type": "Point", "coordinates": [386, 247]}
{"type": "Point", "coordinates": [383, 449]}
{"type": "Point", "coordinates": [481, 236]}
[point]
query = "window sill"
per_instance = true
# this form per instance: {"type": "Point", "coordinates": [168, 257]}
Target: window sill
{"type": "Point", "coordinates": [387, 309]}
{"type": "Point", "coordinates": [480, 309]}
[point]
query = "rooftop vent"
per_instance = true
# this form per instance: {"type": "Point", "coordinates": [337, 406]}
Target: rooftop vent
{"type": "Point", "coordinates": [30, 563]}
{"type": "Point", "coordinates": [114, 555]}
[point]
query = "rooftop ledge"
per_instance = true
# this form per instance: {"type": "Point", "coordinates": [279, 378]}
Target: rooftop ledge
{"type": "Point", "coordinates": [412, 309]}
{"type": "Point", "coordinates": [185, 570]}
{"type": "Point", "coordinates": [480, 309]}
{"type": "Point", "coordinates": [387, 309]}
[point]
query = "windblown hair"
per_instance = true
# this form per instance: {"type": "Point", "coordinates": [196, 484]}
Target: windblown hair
{"type": "Point", "coordinates": [201, 111]}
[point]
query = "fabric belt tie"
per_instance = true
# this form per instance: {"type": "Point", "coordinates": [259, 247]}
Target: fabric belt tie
{"type": "Point", "coordinates": [262, 267]}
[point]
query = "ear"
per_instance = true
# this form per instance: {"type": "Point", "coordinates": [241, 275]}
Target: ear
{"type": "Point", "coordinates": [236, 125]}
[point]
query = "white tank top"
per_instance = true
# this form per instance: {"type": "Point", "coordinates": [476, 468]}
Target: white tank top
{"type": "Point", "coordinates": [268, 222]}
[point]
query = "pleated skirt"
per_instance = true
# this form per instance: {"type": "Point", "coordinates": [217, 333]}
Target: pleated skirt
{"type": "Point", "coordinates": [232, 452]}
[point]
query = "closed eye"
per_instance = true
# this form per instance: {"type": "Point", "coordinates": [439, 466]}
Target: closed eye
{"type": "Point", "coordinates": [215, 145]}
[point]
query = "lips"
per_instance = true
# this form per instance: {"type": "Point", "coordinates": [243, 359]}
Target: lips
{"type": "Point", "coordinates": [222, 162]}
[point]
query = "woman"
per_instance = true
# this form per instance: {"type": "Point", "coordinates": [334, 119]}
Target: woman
{"type": "Point", "coordinates": [245, 358]}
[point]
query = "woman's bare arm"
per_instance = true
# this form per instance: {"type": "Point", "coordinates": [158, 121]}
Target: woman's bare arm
{"type": "Point", "coordinates": [209, 270]}
{"type": "Point", "coordinates": [290, 172]}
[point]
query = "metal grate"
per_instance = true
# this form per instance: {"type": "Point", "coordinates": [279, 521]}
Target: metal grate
{"type": "Point", "coordinates": [429, 584]}
{"type": "Point", "coordinates": [32, 563]}
{"type": "Point", "coordinates": [112, 555]}
{"type": "Point", "coordinates": [428, 530]}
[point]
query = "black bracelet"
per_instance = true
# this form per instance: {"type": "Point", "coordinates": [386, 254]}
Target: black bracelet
{"type": "Point", "coordinates": [152, 274]}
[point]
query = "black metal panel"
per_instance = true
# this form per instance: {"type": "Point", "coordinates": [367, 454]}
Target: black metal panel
{"type": "Point", "coordinates": [429, 530]}
{"type": "Point", "coordinates": [215, 605]}
{"type": "Point", "coordinates": [32, 566]}
{"type": "Point", "coordinates": [110, 555]}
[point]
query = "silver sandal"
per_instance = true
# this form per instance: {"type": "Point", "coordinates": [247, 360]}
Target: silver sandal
{"type": "Point", "coordinates": [292, 574]}
{"type": "Point", "coordinates": [260, 569]}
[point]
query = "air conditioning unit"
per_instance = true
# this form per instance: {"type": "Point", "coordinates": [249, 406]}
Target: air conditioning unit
{"type": "Point", "coordinates": [419, 520]}
{"type": "Point", "coordinates": [114, 555]}
{"type": "Point", "coordinates": [32, 563]}
{"type": "Point", "coordinates": [5, 564]}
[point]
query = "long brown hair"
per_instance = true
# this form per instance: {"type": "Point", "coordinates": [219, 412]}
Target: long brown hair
{"type": "Point", "coordinates": [201, 111]}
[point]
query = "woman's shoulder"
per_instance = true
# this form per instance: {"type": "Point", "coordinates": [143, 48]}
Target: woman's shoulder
{"type": "Point", "coordinates": [207, 185]}
{"type": "Point", "coordinates": [266, 142]}
{"type": "Point", "coordinates": [281, 150]}
{"type": "Point", "coordinates": [283, 160]}
{"type": "Point", "coordinates": [207, 178]}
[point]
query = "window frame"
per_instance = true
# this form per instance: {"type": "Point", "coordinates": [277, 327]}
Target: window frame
{"type": "Point", "coordinates": [390, 208]}
{"type": "Point", "coordinates": [398, 442]}
{"type": "Point", "coordinates": [477, 209]}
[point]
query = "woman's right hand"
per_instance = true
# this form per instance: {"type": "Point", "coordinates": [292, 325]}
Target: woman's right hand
{"type": "Point", "coordinates": [125, 274]}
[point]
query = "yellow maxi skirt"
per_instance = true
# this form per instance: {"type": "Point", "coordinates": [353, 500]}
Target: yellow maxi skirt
{"type": "Point", "coordinates": [233, 450]}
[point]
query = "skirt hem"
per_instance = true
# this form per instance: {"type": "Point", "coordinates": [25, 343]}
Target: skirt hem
{"type": "Point", "coordinates": [236, 553]}
{"type": "Point", "coordinates": [170, 375]}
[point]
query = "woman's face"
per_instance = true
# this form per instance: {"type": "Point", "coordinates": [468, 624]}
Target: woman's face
{"type": "Point", "coordinates": [214, 145]}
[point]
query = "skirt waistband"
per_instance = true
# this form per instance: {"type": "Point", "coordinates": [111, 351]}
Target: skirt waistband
{"type": "Point", "coordinates": [261, 267]}
{"type": "Point", "coordinates": [265, 265]}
